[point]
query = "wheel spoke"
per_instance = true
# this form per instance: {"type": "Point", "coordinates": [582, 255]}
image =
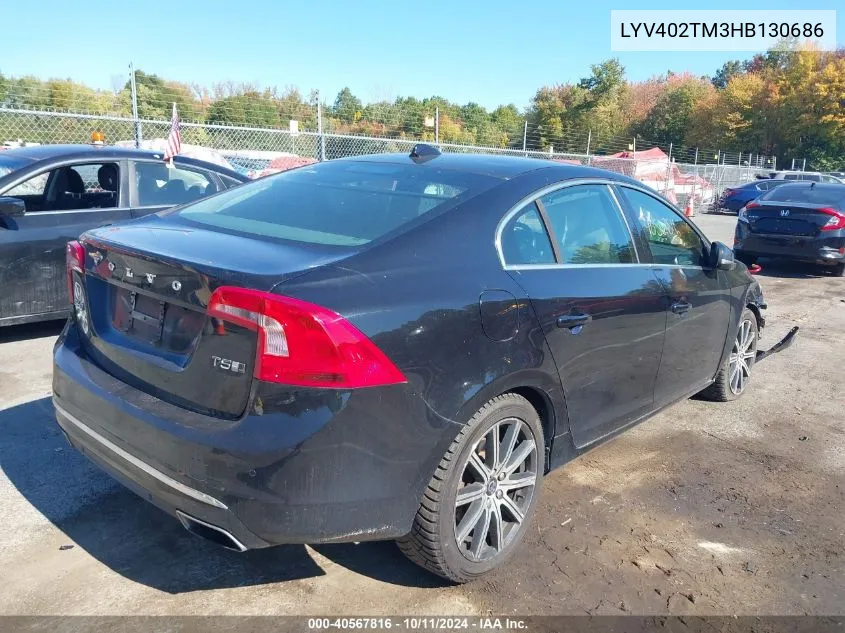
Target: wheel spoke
{"type": "Point", "coordinates": [518, 480]}
{"type": "Point", "coordinates": [735, 371]}
{"type": "Point", "coordinates": [509, 441]}
{"type": "Point", "coordinates": [519, 455]}
{"type": "Point", "coordinates": [497, 528]}
{"type": "Point", "coordinates": [469, 493]}
{"type": "Point", "coordinates": [512, 508]}
{"type": "Point", "coordinates": [470, 519]}
{"type": "Point", "coordinates": [478, 465]}
{"type": "Point", "coordinates": [491, 448]}
{"type": "Point", "coordinates": [479, 533]}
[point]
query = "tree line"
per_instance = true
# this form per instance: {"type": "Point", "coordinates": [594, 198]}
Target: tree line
{"type": "Point", "coordinates": [789, 104]}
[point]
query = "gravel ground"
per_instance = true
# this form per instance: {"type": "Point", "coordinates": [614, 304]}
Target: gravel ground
{"type": "Point", "coordinates": [704, 509]}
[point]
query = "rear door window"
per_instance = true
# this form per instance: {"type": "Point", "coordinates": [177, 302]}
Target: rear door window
{"type": "Point", "coordinates": [588, 226]}
{"type": "Point", "coordinates": [159, 184]}
{"type": "Point", "coordinates": [341, 203]}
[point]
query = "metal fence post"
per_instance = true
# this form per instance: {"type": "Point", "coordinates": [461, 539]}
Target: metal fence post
{"type": "Point", "coordinates": [669, 169]}
{"type": "Point", "coordinates": [322, 156]}
{"type": "Point", "coordinates": [437, 125]}
{"type": "Point", "coordinates": [525, 137]}
{"type": "Point", "coordinates": [134, 95]}
{"type": "Point", "coordinates": [634, 145]}
{"type": "Point", "coordinates": [589, 138]}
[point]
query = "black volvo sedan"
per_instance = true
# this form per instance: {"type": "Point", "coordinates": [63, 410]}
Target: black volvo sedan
{"type": "Point", "coordinates": [803, 221]}
{"type": "Point", "coordinates": [50, 194]}
{"type": "Point", "coordinates": [391, 347]}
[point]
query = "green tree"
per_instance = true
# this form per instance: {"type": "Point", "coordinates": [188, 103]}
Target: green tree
{"type": "Point", "coordinates": [723, 75]}
{"type": "Point", "coordinates": [347, 106]}
{"type": "Point", "coordinates": [251, 108]}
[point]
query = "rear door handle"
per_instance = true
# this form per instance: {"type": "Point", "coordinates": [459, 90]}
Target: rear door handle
{"type": "Point", "coordinates": [573, 320]}
{"type": "Point", "coordinates": [681, 307]}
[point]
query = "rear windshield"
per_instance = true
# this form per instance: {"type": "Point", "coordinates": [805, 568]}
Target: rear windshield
{"type": "Point", "coordinates": [822, 195]}
{"type": "Point", "coordinates": [340, 203]}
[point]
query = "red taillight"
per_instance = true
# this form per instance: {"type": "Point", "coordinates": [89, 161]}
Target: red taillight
{"type": "Point", "coordinates": [303, 344]}
{"type": "Point", "coordinates": [752, 205]}
{"type": "Point", "coordinates": [75, 260]}
{"type": "Point", "coordinates": [836, 221]}
{"type": "Point", "coordinates": [727, 193]}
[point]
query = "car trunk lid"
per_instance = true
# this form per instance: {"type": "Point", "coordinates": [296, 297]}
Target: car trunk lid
{"type": "Point", "coordinates": [148, 285]}
{"type": "Point", "coordinates": [786, 218]}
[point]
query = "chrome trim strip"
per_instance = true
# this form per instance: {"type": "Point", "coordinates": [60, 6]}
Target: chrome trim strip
{"type": "Point", "coordinates": [632, 265]}
{"type": "Point", "coordinates": [152, 472]}
{"type": "Point", "coordinates": [184, 518]}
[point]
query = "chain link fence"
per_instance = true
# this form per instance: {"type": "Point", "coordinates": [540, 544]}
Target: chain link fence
{"type": "Point", "coordinates": [252, 149]}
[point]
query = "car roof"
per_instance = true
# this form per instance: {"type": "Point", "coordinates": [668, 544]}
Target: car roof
{"type": "Point", "coordinates": [493, 165]}
{"type": "Point", "coordinates": [113, 152]}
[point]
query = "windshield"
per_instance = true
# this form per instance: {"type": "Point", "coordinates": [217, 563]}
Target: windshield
{"type": "Point", "coordinates": [821, 195]}
{"type": "Point", "coordinates": [339, 203]}
{"type": "Point", "coordinates": [8, 164]}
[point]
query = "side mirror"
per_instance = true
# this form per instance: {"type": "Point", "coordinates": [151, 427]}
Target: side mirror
{"type": "Point", "coordinates": [12, 207]}
{"type": "Point", "coordinates": [721, 257]}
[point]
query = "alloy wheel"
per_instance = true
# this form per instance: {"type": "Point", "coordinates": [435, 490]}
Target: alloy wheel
{"type": "Point", "coordinates": [742, 357]}
{"type": "Point", "coordinates": [497, 485]}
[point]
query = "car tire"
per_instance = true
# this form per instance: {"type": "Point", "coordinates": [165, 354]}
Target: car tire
{"type": "Point", "coordinates": [839, 270]}
{"type": "Point", "coordinates": [502, 504]}
{"type": "Point", "coordinates": [728, 384]}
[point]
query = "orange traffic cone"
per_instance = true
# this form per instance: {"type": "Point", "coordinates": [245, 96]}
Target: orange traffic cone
{"type": "Point", "coordinates": [688, 210]}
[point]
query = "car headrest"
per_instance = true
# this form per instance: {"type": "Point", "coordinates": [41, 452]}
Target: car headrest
{"type": "Point", "coordinates": [107, 177]}
{"type": "Point", "coordinates": [71, 181]}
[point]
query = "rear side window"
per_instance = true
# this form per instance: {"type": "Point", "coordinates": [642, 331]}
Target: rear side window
{"type": "Point", "coordinates": [588, 226]}
{"type": "Point", "coordinates": [159, 184]}
{"type": "Point", "coordinates": [822, 195]}
{"type": "Point", "coordinates": [340, 203]}
{"type": "Point", "coordinates": [525, 241]}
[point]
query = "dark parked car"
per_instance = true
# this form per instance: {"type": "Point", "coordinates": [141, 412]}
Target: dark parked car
{"type": "Point", "coordinates": [797, 221]}
{"type": "Point", "coordinates": [50, 194]}
{"type": "Point", "coordinates": [391, 347]}
{"type": "Point", "coordinates": [734, 198]}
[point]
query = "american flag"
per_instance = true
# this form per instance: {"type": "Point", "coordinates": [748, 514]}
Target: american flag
{"type": "Point", "coordinates": [174, 140]}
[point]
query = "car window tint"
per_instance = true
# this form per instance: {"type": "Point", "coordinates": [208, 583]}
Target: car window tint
{"type": "Point", "coordinates": [159, 184]}
{"type": "Point", "coordinates": [588, 226]}
{"type": "Point", "coordinates": [339, 203]}
{"type": "Point", "coordinates": [525, 240]}
{"type": "Point", "coordinates": [671, 239]}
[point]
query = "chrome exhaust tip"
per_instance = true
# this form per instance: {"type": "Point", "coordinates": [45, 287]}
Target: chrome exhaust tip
{"type": "Point", "coordinates": [210, 532]}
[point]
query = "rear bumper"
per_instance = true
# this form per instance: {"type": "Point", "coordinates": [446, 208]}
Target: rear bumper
{"type": "Point", "coordinates": [829, 249]}
{"type": "Point", "coordinates": [314, 466]}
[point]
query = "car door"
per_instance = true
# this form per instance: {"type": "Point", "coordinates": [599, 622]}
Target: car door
{"type": "Point", "coordinates": [697, 296]}
{"type": "Point", "coordinates": [157, 185]}
{"type": "Point", "coordinates": [601, 311]}
{"type": "Point", "coordinates": [62, 202]}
